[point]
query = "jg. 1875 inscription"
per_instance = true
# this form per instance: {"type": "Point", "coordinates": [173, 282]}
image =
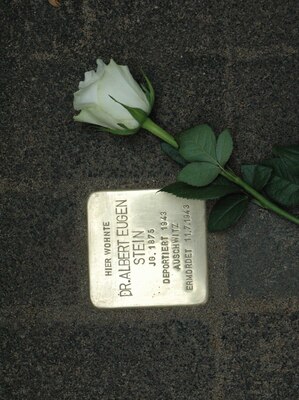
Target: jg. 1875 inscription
{"type": "Point", "coordinates": [146, 248]}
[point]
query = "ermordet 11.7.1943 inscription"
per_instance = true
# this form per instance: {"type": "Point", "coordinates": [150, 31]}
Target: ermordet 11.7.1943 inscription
{"type": "Point", "coordinates": [146, 248]}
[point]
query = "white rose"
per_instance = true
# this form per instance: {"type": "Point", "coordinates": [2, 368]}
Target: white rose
{"type": "Point", "coordinates": [94, 97]}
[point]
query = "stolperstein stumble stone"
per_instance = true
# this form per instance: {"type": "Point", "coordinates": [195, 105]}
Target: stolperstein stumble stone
{"type": "Point", "coordinates": [146, 248]}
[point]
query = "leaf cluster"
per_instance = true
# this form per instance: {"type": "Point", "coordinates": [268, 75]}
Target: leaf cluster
{"type": "Point", "coordinates": [283, 187]}
{"type": "Point", "coordinates": [203, 157]}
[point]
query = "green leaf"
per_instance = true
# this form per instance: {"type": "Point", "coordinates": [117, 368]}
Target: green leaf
{"type": "Point", "coordinates": [227, 211]}
{"type": "Point", "coordinates": [224, 147]}
{"type": "Point", "coordinates": [283, 187]}
{"type": "Point", "coordinates": [289, 153]}
{"type": "Point", "coordinates": [283, 169]}
{"type": "Point", "coordinates": [173, 153]}
{"type": "Point", "coordinates": [215, 190]}
{"type": "Point", "coordinates": [283, 191]}
{"type": "Point", "coordinates": [198, 173]}
{"type": "Point", "coordinates": [198, 144]}
{"type": "Point", "coordinates": [256, 175]}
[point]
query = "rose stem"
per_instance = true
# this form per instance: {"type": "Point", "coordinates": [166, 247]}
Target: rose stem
{"type": "Point", "coordinates": [260, 198]}
{"type": "Point", "coordinates": [155, 129]}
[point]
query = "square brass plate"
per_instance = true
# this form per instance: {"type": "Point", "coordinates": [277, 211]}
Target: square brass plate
{"type": "Point", "coordinates": [146, 248]}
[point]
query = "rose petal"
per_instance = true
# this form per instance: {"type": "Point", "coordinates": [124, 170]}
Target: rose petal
{"type": "Point", "coordinates": [86, 96]}
{"type": "Point", "coordinates": [97, 117]}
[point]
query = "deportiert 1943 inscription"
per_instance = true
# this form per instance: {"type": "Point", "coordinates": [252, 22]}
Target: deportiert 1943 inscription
{"type": "Point", "coordinates": [146, 248]}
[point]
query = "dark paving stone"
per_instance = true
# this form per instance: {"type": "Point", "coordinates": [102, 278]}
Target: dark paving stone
{"type": "Point", "coordinates": [43, 248]}
{"type": "Point", "coordinates": [263, 112]}
{"type": "Point", "coordinates": [260, 23]}
{"type": "Point", "coordinates": [43, 143]}
{"type": "Point", "coordinates": [263, 256]}
{"type": "Point", "coordinates": [140, 362]}
{"type": "Point", "coordinates": [260, 357]}
{"type": "Point", "coordinates": [226, 63]}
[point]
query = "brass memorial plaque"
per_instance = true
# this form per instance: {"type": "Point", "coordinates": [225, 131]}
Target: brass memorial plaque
{"type": "Point", "coordinates": [146, 248]}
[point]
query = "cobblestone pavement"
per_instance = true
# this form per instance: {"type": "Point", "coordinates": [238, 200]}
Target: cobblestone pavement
{"type": "Point", "coordinates": [230, 63]}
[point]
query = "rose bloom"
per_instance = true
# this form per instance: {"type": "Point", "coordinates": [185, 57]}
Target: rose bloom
{"type": "Point", "coordinates": [93, 99]}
